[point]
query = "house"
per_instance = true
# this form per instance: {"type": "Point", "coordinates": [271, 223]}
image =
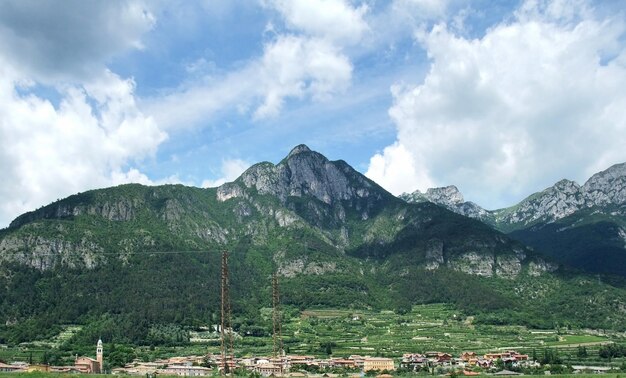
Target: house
{"type": "Point", "coordinates": [185, 370]}
{"type": "Point", "coordinates": [444, 358]}
{"type": "Point", "coordinates": [4, 368]}
{"type": "Point", "coordinates": [413, 361]}
{"type": "Point", "coordinates": [342, 363]}
{"type": "Point", "coordinates": [467, 356]}
{"type": "Point", "coordinates": [300, 360]}
{"type": "Point", "coordinates": [268, 369]}
{"type": "Point", "coordinates": [492, 356]}
{"type": "Point", "coordinates": [485, 364]}
{"type": "Point", "coordinates": [378, 363]}
{"type": "Point", "coordinates": [358, 360]}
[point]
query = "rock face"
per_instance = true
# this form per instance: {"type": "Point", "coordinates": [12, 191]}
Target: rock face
{"type": "Point", "coordinates": [555, 202]}
{"type": "Point", "coordinates": [121, 210]}
{"type": "Point", "coordinates": [307, 174]}
{"type": "Point", "coordinates": [607, 187]}
{"type": "Point", "coordinates": [449, 197]}
{"type": "Point", "coordinates": [605, 190]}
{"type": "Point", "coordinates": [42, 253]}
{"type": "Point", "coordinates": [303, 172]}
{"type": "Point", "coordinates": [578, 226]}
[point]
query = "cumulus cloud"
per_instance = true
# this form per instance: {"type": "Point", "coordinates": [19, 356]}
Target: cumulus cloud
{"type": "Point", "coordinates": [93, 131]}
{"type": "Point", "coordinates": [230, 170]}
{"type": "Point", "coordinates": [421, 9]}
{"type": "Point", "coordinates": [335, 20]}
{"type": "Point", "coordinates": [49, 152]}
{"type": "Point", "coordinates": [51, 42]}
{"type": "Point", "coordinates": [535, 99]}
{"type": "Point", "coordinates": [294, 67]}
{"type": "Point", "coordinates": [304, 61]}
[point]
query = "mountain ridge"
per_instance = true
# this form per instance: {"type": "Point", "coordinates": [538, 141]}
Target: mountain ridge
{"type": "Point", "coordinates": [336, 238]}
{"type": "Point", "coordinates": [605, 188]}
{"type": "Point", "coordinates": [596, 209]}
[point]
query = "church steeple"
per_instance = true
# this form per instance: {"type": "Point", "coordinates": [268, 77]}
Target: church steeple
{"type": "Point", "coordinates": [99, 355]}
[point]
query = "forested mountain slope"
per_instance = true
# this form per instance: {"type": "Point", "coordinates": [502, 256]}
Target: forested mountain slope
{"type": "Point", "coordinates": [130, 259]}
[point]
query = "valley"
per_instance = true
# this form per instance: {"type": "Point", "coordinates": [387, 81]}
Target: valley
{"type": "Point", "coordinates": [361, 272]}
{"type": "Point", "coordinates": [316, 332]}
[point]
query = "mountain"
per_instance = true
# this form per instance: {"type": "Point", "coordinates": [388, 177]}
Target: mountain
{"type": "Point", "coordinates": [129, 260]}
{"type": "Point", "coordinates": [451, 198]}
{"type": "Point", "coordinates": [581, 226]}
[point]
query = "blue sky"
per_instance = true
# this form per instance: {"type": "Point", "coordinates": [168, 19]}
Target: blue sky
{"type": "Point", "coordinates": [501, 98]}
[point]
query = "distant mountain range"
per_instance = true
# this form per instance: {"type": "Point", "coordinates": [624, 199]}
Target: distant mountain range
{"type": "Point", "coordinates": [129, 260]}
{"type": "Point", "coordinates": [581, 226]}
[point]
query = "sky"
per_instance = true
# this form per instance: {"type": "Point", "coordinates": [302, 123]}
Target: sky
{"type": "Point", "coordinates": [500, 98]}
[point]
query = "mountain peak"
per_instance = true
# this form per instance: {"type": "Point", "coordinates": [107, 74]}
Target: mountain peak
{"type": "Point", "coordinates": [607, 187]}
{"type": "Point", "coordinates": [448, 195]}
{"type": "Point", "coordinates": [298, 150]}
{"type": "Point", "coordinates": [304, 173]}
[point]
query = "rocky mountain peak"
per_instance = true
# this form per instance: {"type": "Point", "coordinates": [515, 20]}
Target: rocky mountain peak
{"type": "Point", "coordinates": [298, 149]}
{"type": "Point", "coordinates": [555, 202]}
{"type": "Point", "coordinates": [567, 186]}
{"type": "Point", "coordinates": [607, 187]}
{"type": "Point", "coordinates": [302, 173]}
{"type": "Point", "coordinates": [605, 190]}
{"type": "Point", "coordinates": [602, 190]}
{"type": "Point", "coordinates": [447, 195]}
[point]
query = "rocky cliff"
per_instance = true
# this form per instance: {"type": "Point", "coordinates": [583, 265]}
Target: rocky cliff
{"type": "Point", "coordinates": [581, 226]}
{"type": "Point", "coordinates": [605, 191]}
{"type": "Point", "coordinates": [451, 198]}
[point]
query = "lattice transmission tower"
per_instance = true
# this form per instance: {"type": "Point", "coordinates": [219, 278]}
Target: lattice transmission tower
{"type": "Point", "coordinates": [277, 320]}
{"type": "Point", "coordinates": [226, 330]}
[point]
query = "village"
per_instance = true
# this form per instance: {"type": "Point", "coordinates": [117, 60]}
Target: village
{"type": "Point", "coordinates": [468, 364]}
{"type": "Point", "coordinates": [310, 366]}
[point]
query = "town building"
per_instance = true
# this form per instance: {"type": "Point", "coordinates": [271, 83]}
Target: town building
{"type": "Point", "coordinates": [185, 370]}
{"type": "Point", "coordinates": [378, 363]}
{"type": "Point", "coordinates": [13, 368]}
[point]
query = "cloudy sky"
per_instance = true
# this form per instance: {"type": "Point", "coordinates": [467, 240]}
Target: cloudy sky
{"type": "Point", "coordinates": [501, 100]}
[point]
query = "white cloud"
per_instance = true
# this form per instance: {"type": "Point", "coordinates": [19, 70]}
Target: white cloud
{"type": "Point", "coordinates": [93, 132]}
{"type": "Point", "coordinates": [85, 142]}
{"type": "Point", "coordinates": [421, 9]}
{"type": "Point", "coordinates": [396, 168]}
{"type": "Point", "coordinates": [50, 42]}
{"type": "Point", "coordinates": [294, 67]}
{"type": "Point", "coordinates": [304, 64]}
{"type": "Point", "coordinates": [534, 100]}
{"type": "Point", "coordinates": [334, 20]}
{"type": "Point", "coordinates": [230, 170]}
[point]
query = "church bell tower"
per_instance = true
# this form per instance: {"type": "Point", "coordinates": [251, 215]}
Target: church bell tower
{"type": "Point", "coordinates": [99, 355]}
